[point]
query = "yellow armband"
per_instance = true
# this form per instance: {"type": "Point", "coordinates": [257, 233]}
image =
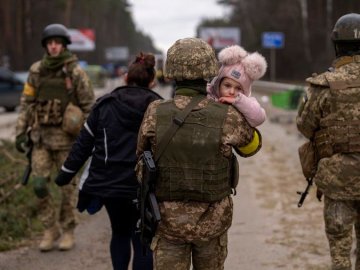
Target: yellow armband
{"type": "Point", "coordinates": [252, 147]}
{"type": "Point", "coordinates": [28, 90]}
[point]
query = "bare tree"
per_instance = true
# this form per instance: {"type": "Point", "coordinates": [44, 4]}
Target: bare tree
{"type": "Point", "coordinates": [67, 13]}
{"type": "Point", "coordinates": [7, 30]}
{"type": "Point", "coordinates": [18, 46]}
{"type": "Point", "coordinates": [329, 11]}
{"type": "Point", "coordinates": [305, 29]}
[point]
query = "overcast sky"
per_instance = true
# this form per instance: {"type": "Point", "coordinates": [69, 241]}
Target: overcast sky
{"type": "Point", "coordinates": [168, 20]}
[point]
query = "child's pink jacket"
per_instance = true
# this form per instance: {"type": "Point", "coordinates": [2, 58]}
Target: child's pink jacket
{"type": "Point", "coordinates": [248, 106]}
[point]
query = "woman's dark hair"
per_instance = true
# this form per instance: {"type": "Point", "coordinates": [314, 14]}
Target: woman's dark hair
{"type": "Point", "coordinates": [141, 71]}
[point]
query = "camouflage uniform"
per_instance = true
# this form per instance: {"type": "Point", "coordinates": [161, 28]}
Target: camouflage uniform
{"type": "Point", "coordinates": [51, 143]}
{"type": "Point", "coordinates": [190, 230]}
{"type": "Point", "coordinates": [330, 116]}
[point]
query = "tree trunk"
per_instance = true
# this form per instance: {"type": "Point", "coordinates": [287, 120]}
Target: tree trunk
{"type": "Point", "coordinates": [8, 33]}
{"type": "Point", "coordinates": [305, 30]}
{"type": "Point", "coordinates": [329, 11]}
{"type": "Point", "coordinates": [67, 14]}
{"type": "Point", "coordinates": [19, 33]}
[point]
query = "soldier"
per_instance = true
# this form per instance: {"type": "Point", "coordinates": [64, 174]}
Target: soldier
{"type": "Point", "coordinates": [55, 100]}
{"type": "Point", "coordinates": [329, 117]}
{"type": "Point", "coordinates": [193, 184]}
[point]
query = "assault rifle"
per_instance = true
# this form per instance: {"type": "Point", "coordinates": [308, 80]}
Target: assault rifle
{"type": "Point", "coordinates": [149, 208]}
{"type": "Point", "coordinates": [27, 172]}
{"type": "Point", "coordinates": [305, 192]}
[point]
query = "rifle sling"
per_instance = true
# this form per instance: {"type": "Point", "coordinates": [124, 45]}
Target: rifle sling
{"type": "Point", "coordinates": [176, 124]}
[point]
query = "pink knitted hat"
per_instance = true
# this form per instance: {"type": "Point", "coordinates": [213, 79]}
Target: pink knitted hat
{"type": "Point", "coordinates": [239, 65]}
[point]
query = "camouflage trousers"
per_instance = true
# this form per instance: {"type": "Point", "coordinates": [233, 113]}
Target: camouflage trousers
{"type": "Point", "coordinates": [43, 163]}
{"type": "Point", "coordinates": [204, 255]}
{"type": "Point", "coordinates": [341, 217]}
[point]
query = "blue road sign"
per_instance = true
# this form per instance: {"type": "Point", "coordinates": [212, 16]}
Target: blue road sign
{"type": "Point", "coordinates": [273, 40]}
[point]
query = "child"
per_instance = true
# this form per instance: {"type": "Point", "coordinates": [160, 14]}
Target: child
{"type": "Point", "coordinates": [233, 83]}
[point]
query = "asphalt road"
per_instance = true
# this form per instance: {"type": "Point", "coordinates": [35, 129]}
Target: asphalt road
{"type": "Point", "coordinates": [268, 231]}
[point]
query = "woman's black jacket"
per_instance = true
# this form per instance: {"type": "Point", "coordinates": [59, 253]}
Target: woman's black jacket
{"type": "Point", "coordinates": [109, 139]}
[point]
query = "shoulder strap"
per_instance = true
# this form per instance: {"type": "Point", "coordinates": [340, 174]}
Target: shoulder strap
{"type": "Point", "coordinates": [176, 124]}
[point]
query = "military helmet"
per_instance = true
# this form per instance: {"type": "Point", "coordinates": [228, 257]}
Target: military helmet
{"type": "Point", "coordinates": [190, 59]}
{"type": "Point", "coordinates": [347, 28]}
{"type": "Point", "coordinates": [55, 30]}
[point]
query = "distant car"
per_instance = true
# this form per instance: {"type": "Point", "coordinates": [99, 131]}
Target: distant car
{"type": "Point", "coordinates": [11, 87]}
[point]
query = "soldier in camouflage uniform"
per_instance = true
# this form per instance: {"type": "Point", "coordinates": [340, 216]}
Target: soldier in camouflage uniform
{"type": "Point", "coordinates": [193, 185]}
{"type": "Point", "coordinates": [329, 117]}
{"type": "Point", "coordinates": [55, 84]}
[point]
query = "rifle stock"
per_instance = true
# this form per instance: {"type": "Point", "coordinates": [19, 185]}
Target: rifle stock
{"type": "Point", "coordinates": [149, 208]}
{"type": "Point", "coordinates": [305, 192]}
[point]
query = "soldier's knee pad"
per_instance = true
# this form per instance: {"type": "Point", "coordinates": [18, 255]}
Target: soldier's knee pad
{"type": "Point", "coordinates": [40, 187]}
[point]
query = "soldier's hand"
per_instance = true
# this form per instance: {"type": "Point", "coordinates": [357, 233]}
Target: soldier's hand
{"type": "Point", "coordinates": [64, 178]}
{"type": "Point", "coordinates": [21, 142]}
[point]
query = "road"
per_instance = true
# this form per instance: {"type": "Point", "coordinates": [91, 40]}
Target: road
{"type": "Point", "coordinates": [268, 231]}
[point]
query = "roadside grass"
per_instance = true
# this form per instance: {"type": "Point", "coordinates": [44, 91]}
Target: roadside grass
{"type": "Point", "coordinates": [19, 222]}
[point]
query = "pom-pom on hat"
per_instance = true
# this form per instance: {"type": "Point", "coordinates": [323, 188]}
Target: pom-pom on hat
{"type": "Point", "coordinates": [241, 66]}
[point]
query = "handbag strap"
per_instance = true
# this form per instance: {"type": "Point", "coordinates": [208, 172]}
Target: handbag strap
{"type": "Point", "coordinates": [177, 122]}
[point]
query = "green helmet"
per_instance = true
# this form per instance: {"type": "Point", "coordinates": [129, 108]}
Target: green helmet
{"type": "Point", "coordinates": [190, 59]}
{"type": "Point", "coordinates": [347, 28]}
{"type": "Point", "coordinates": [55, 30]}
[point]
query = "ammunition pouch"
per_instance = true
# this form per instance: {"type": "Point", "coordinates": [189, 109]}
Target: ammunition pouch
{"type": "Point", "coordinates": [308, 159]}
{"type": "Point", "coordinates": [73, 119]}
{"type": "Point", "coordinates": [40, 187]}
{"type": "Point", "coordinates": [35, 134]}
{"type": "Point", "coordinates": [48, 112]}
{"type": "Point", "coordinates": [338, 137]}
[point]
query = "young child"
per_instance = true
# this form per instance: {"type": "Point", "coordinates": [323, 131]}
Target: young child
{"type": "Point", "coordinates": [233, 83]}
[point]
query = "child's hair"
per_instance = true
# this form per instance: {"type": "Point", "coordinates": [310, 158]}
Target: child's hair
{"type": "Point", "coordinates": [142, 70]}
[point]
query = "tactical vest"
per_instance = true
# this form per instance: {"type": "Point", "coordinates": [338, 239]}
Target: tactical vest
{"type": "Point", "coordinates": [52, 97]}
{"type": "Point", "coordinates": [340, 128]}
{"type": "Point", "coordinates": [192, 167]}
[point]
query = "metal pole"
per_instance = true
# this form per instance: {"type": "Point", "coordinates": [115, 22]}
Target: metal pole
{"type": "Point", "coordinates": [272, 64]}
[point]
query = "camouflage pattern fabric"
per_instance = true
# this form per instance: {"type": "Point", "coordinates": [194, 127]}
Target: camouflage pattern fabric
{"type": "Point", "coordinates": [194, 221]}
{"type": "Point", "coordinates": [51, 143]}
{"type": "Point", "coordinates": [43, 163]}
{"type": "Point", "coordinates": [236, 130]}
{"type": "Point", "coordinates": [340, 217]}
{"type": "Point", "coordinates": [52, 136]}
{"type": "Point", "coordinates": [210, 255]}
{"type": "Point", "coordinates": [187, 223]}
{"type": "Point", "coordinates": [337, 175]}
{"type": "Point", "coordinates": [190, 59]}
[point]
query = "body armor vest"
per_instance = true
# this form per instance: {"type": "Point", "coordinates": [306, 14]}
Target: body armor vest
{"type": "Point", "coordinates": [52, 97]}
{"type": "Point", "coordinates": [340, 128]}
{"type": "Point", "coordinates": [192, 167]}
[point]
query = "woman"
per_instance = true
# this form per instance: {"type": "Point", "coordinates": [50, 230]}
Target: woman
{"type": "Point", "coordinates": [109, 138]}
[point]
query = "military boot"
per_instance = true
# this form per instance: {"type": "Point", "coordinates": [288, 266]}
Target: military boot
{"type": "Point", "coordinates": [67, 240]}
{"type": "Point", "coordinates": [48, 239]}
